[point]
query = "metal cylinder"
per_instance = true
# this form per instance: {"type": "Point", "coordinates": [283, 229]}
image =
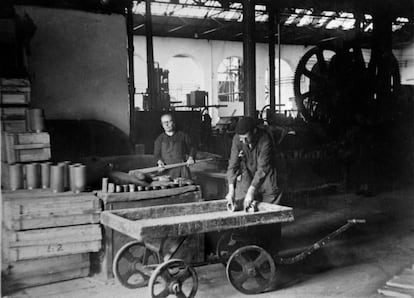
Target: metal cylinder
{"type": "Point", "coordinates": [79, 177]}
{"type": "Point", "coordinates": [65, 165]}
{"type": "Point", "coordinates": [111, 187]}
{"type": "Point", "coordinates": [104, 184]}
{"type": "Point", "coordinates": [32, 175]}
{"type": "Point", "coordinates": [56, 178]}
{"type": "Point", "coordinates": [72, 176]}
{"type": "Point", "coordinates": [45, 174]}
{"type": "Point", "coordinates": [35, 120]}
{"type": "Point", "coordinates": [16, 176]}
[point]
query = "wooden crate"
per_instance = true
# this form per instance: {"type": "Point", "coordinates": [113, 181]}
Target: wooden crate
{"type": "Point", "coordinates": [29, 273]}
{"type": "Point", "coordinates": [14, 126]}
{"type": "Point", "coordinates": [34, 209]}
{"type": "Point", "coordinates": [14, 91]}
{"type": "Point", "coordinates": [25, 147]}
{"type": "Point", "coordinates": [13, 113]}
{"type": "Point", "coordinates": [44, 243]}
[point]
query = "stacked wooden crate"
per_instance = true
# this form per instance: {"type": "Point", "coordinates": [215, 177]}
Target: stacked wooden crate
{"type": "Point", "coordinates": [14, 100]}
{"type": "Point", "coordinates": [19, 144]}
{"type": "Point", "coordinates": [47, 237]}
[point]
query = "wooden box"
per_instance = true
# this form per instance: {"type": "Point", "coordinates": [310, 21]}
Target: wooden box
{"type": "Point", "coordinates": [14, 91]}
{"type": "Point", "coordinates": [25, 147]}
{"type": "Point", "coordinates": [191, 251]}
{"type": "Point", "coordinates": [14, 126]}
{"type": "Point", "coordinates": [13, 113]}
{"type": "Point", "coordinates": [44, 243]}
{"type": "Point", "coordinates": [34, 209]}
{"type": "Point", "coordinates": [29, 273]}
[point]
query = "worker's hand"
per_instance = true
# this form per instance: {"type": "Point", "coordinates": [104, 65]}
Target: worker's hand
{"type": "Point", "coordinates": [190, 161]}
{"type": "Point", "coordinates": [230, 197]}
{"type": "Point", "coordinates": [161, 165]}
{"type": "Point", "coordinates": [248, 199]}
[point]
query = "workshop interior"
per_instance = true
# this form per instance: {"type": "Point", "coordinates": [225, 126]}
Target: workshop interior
{"type": "Point", "coordinates": [94, 203]}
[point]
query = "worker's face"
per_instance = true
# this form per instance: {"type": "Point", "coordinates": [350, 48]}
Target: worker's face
{"type": "Point", "coordinates": [167, 123]}
{"type": "Point", "coordinates": [246, 138]}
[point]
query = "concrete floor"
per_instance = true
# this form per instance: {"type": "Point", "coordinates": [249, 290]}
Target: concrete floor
{"type": "Point", "coordinates": [355, 264]}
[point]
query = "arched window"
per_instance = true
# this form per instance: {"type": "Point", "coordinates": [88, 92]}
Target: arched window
{"type": "Point", "coordinates": [140, 78]}
{"type": "Point", "coordinates": [230, 80]}
{"type": "Point", "coordinates": [185, 75]}
{"type": "Point", "coordinates": [286, 87]}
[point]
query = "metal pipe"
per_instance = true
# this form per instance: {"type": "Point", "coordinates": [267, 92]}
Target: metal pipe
{"type": "Point", "coordinates": [150, 57]}
{"type": "Point", "coordinates": [131, 78]}
{"type": "Point", "coordinates": [279, 58]}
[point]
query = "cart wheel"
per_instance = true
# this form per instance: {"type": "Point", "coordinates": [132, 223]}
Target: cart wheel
{"type": "Point", "coordinates": [251, 270]}
{"type": "Point", "coordinates": [129, 263]}
{"type": "Point", "coordinates": [173, 277]}
{"type": "Point", "coordinates": [228, 243]}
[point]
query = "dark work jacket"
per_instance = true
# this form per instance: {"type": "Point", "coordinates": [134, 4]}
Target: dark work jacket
{"type": "Point", "coordinates": [174, 149]}
{"type": "Point", "coordinates": [256, 165]}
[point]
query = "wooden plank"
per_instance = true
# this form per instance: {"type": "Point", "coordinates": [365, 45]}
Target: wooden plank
{"type": "Point", "coordinates": [25, 147]}
{"type": "Point", "coordinates": [69, 289]}
{"type": "Point", "coordinates": [171, 210]}
{"type": "Point", "coordinates": [16, 210]}
{"type": "Point", "coordinates": [78, 233]}
{"type": "Point", "coordinates": [38, 194]}
{"type": "Point", "coordinates": [405, 280]}
{"type": "Point", "coordinates": [199, 220]}
{"type": "Point", "coordinates": [142, 195]}
{"type": "Point", "coordinates": [27, 268]}
{"type": "Point", "coordinates": [185, 209]}
{"type": "Point", "coordinates": [13, 285]}
{"type": "Point", "coordinates": [52, 221]}
{"type": "Point", "coordinates": [14, 126]}
{"type": "Point", "coordinates": [396, 292]}
{"type": "Point", "coordinates": [56, 249]}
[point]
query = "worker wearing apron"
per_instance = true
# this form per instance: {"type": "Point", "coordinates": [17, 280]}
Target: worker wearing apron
{"type": "Point", "coordinates": [173, 147]}
{"type": "Point", "coordinates": [251, 175]}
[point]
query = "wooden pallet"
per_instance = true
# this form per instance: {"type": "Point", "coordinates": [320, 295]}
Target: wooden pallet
{"type": "Point", "coordinates": [400, 286]}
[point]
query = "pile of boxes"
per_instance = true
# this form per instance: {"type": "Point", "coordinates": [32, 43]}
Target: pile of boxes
{"type": "Point", "coordinates": [23, 138]}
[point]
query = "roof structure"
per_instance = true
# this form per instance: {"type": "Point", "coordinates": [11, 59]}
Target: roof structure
{"type": "Point", "coordinates": [304, 22]}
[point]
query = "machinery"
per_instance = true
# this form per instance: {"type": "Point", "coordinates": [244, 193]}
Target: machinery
{"type": "Point", "coordinates": [333, 84]}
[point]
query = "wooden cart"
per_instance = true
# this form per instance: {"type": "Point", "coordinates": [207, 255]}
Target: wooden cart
{"type": "Point", "coordinates": [250, 269]}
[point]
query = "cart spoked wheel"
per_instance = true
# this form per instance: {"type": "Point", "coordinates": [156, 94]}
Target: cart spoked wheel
{"type": "Point", "coordinates": [228, 243]}
{"type": "Point", "coordinates": [173, 277]}
{"type": "Point", "coordinates": [251, 270]}
{"type": "Point", "coordinates": [131, 262]}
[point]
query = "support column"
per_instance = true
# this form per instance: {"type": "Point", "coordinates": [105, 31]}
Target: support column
{"type": "Point", "coordinates": [150, 57]}
{"type": "Point", "coordinates": [249, 58]}
{"type": "Point", "coordinates": [271, 12]}
{"type": "Point", "coordinates": [131, 80]}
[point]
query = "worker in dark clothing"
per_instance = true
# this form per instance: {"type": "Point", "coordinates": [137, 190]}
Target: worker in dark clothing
{"type": "Point", "coordinates": [174, 147]}
{"type": "Point", "coordinates": [251, 175]}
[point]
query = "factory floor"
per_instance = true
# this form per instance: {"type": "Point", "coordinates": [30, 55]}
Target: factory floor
{"type": "Point", "coordinates": [355, 264]}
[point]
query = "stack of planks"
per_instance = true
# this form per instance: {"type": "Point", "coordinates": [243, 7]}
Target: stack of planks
{"type": "Point", "coordinates": [14, 99]}
{"type": "Point", "coordinates": [47, 237]}
{"type": "Point", "coordinates": [400, 286]}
